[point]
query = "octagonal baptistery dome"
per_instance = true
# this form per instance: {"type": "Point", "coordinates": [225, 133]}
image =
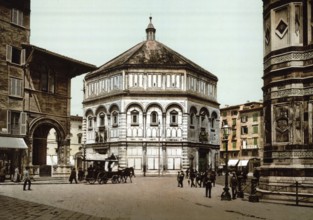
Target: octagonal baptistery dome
{"type": "Point", "coordinates": [152, 108]}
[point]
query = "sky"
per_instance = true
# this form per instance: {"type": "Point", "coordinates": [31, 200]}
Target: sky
{"type": "Point", "coordinates": [224, 37]}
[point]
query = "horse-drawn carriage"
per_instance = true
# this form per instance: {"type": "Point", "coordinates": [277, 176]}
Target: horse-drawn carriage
{"type": "Point", "coordinates": [108, 170]}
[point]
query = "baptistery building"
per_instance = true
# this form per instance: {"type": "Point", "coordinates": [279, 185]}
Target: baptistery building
{"type": "Point", "coordinates": [154, 109]}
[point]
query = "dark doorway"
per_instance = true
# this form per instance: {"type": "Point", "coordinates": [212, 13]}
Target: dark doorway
{"type": "Point", "coordinates": [203, 163]}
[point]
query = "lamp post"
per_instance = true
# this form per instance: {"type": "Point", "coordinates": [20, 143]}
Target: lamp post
{"type": "Point", "coordinates": [84, 156]}
{"type": "Point", "coordinates": [159, 149]}
{"type": "Point", "coordinates": [226, 195]}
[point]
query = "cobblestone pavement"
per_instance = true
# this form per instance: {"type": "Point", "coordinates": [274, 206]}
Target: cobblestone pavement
{"type": "Point", "coordinates": [146, 198]}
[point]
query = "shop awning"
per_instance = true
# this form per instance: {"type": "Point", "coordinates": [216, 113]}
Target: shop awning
{"type": "Point", "coordinates": [232, 162]}
{"type": "Point", "coordinates": [96, 157]}
{"type": "Point", "coordinates": [243, 163]}
{"type": "Point", "coordinates": [12, 142]}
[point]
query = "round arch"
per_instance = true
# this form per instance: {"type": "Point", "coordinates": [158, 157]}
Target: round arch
{"type": "Point", "coordinates": [134, 104]}
{"type": "Point", "coordinates": [204, 111]}
{"type": "Point", "coordinates": [101, 108]}
{"type": "Point", "coordinates": [114, 107]}
{"type": "Point", "coordinates": [39, 131]}
{"type": "Point", "coordinates": [154, 104]}
{"type": "Point", "coordinates": [193, 109]}
{"type": "Point", "coordinates": [89, 112]}
{"type": "Point", "coordinates": [175, 105]}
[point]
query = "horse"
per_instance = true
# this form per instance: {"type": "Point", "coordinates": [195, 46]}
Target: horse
{"type": "Point", "coordinates": [127, 172]}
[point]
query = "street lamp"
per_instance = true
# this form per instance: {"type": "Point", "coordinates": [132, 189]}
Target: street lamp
{"type": "Point", "coordinates": [226, 195]}
{"type": "Point", "coordinates": [84, 155]}
{"type": "Point", "coordinates": [159, 149]}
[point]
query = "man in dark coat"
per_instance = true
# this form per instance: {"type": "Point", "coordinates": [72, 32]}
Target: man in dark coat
{"type": "Point", "coordinates": [208, 187]}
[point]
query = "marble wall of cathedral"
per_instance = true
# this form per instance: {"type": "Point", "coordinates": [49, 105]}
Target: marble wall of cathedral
{"type": "Point", "coordinates": [151, 81]}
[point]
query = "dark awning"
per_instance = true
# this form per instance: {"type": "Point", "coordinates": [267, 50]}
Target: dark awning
{"type": "Point", "coordinates": [12, 142]}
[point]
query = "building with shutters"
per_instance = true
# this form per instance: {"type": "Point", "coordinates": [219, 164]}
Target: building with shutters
{"type": "Point", "coordinates": [34, 95]}
{"type": "Point", "coordinates": [152, 108]}
{"type": "Point", "coordinates": [245, 142]}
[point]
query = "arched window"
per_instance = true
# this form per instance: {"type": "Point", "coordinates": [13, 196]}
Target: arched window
{"type": "Point", "coordinates": [115, 119]}
{"type": "Point", "coordinates": [192, 120]}
{"type": "Point", "coordinates": [134, 117]}
{"type": "Point", "coordinates": [90, 123]}
{"type": "Point", "coordinates": [154, 118]}
{"type": "Point", "coordinates": [174, 118]}
{"type": "Point", "coordinates": [101, 119]}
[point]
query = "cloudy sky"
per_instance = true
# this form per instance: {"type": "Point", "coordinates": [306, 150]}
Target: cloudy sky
{"type": "Point", "coordinates": [224, 37]}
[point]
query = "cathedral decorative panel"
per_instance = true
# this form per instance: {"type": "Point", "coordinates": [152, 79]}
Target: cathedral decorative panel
{"type": "Point", "coordinates": [281, 29]}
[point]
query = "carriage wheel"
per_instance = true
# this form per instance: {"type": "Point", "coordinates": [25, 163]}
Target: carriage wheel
{"type": "Point", "coordinates": [91, 180]}
{"type": "Point", "coordinates": [105, 178]}
{"type": "Point", "coordinates": [114, 179]}
{"type": "Point", "coordinates": [100, 177]}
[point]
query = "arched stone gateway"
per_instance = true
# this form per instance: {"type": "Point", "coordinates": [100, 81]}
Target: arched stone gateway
{"type": "Point", "coordinates": [38, 133]}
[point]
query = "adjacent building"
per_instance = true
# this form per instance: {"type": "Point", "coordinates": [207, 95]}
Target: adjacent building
{"type": "Point", "coordinates": [245, 142]}
{"type": "Point", "coordinates": [154, 109]}
{"type": "Point", "coordinates": [34, 95]}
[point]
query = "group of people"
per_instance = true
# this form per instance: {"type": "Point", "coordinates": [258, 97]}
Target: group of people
{"type": "Point", "coordinates": [207, 180]}
{"type": "Point", "coordinates": [11, 171]}
{"type": "Point", "coordinates": [198, 179]}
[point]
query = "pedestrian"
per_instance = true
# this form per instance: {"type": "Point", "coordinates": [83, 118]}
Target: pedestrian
{"type": "Point", "coordinates": [73, 176]}
{"type": "Point", "coordinates": [192, 178]}
{"type": "Point", "coordinates": [178, 179]}
{"type": "Point", "coordinates": [2, 174]}
{"type": "Point", "coordinates": [213, 177]}
{"type": "Point", "coordinates": [16, 177]}
{"type": "Point", "coordinates": [233, 185]}
{"type": "Point", "coordinates": [181, 178]}
{"type": "Point", "coordinates": [80, 174]}
{"type": "Point", "coordinates": [208, 187]}
{"type": "Point", "coordinates": [26, 177]}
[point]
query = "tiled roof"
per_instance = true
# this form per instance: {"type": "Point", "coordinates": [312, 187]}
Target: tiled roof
{"type": "Point", "coordinates": [150, 54]}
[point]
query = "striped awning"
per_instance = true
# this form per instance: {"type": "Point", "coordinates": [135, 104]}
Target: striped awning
{"type": "Point", "coordinates": [243, 163]}
{"type": "Point", "coordinates": [12, 142]}
{"type": "Point", "coordinates": [232, 162]}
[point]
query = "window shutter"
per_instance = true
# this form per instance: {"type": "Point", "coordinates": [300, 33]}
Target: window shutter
{"type": "Point", "coordinates": [23, 124]}
{"type": "Point", "coordinates": [14, 16]}
{"type": "Point", "coordinates": [23, 57]}
{"type": "Point", "coordinates": [9, 121]}
{"type": "Point", "coordinates": [9, 53]}
{"type": "Point", "coordinates": [20, 18]}
{"type": "Point", "coordinates": [18, 87]}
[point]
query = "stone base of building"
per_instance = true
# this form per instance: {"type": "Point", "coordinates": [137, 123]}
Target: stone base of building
{"type": "Point", "coordinates": [62, 170]}
{"type": "Point", "coordinates": [53, 171]}
{"type": "Point", "coordinates": [286, 183]}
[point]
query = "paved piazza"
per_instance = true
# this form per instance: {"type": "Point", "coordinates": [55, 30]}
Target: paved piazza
{"type": "Point", "coordinates": [146, 198]}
